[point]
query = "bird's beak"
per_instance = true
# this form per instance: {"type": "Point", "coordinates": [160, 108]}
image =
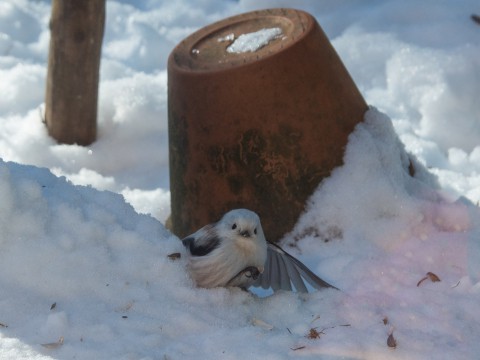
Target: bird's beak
{"type": "Point", "coordinates": [245, 233]}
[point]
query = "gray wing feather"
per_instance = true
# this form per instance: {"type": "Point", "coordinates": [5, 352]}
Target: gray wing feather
{"type": "Point", "coordinates": [264, 280]}
{"type": "Point", "coordinates": [309, 276]}
{"type": "Point", "coordinates": [282, 270]}
{"type": "Point", "coordinates": [273, 273]}
{"type": "Point", "coordinates": [283, 274]}
{"type": "Point", "coordinates": [295, 277]}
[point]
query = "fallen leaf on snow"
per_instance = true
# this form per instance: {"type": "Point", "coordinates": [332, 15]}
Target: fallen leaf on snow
{"type": "Point", "coordinates": [431, 276]}
{"type": "Point", "coordinates": [315, 334]}
{"type": "Point", "coordinates": [391, 342]}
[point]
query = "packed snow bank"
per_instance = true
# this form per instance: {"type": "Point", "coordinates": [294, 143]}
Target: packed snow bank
{"type": "Point", "coordinates": [85, 250]}
{"type": "Point", "coordinates": [383, 230]}
{"type": "Point", "coordinates": [81, 265]}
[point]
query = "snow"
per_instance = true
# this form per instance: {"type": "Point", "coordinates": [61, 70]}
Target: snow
{"type": "Point", "coordinates": [84, 253]}
{"type": "Point", "coordinates": [229, 37]}
{"type": "Point", "coordinates": [251, 42]}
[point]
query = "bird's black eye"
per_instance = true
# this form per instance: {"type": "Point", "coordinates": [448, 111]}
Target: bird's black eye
{"type": "Point", "coordinates": [255, 231]}
{"type": "Point", "coordinates": [234, 226]}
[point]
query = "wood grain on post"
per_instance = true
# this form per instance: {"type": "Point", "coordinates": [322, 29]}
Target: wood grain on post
{"type": "Point", "coordinates": [73, 70]}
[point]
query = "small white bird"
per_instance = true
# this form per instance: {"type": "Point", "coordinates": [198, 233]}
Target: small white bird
{"type": "Point", "coordinates": [234, 252]}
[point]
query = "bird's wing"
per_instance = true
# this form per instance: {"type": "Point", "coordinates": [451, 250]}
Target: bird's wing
{"type": "Point", "coordinates": [282, 271]}
{"type": "Point", "coordinates": [202, 242]}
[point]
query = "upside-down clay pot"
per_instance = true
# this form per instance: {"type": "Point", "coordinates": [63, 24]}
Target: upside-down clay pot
{"type": "Point", "coordinates": [256, 128]}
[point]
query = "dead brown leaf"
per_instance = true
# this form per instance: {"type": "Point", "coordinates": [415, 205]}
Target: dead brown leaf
{"type": "Point", "coordinates": [431, 276]}
{"type": "Point", "coordinates": [391, 342]}
{"type": "Point", "coordinates": [315, 334]}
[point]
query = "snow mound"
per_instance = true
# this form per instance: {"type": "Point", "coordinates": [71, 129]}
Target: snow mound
{"type": "Point", "coordinates": [88, 277]}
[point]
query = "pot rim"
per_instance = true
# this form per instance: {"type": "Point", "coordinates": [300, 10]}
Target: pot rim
{"type": "Point", "coordinates": [184, 59]}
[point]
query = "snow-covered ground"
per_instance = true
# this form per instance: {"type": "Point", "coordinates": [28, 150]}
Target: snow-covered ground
{"type": "Point", "coordinates": [85, 276]}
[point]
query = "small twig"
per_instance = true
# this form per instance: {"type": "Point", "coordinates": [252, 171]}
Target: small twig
{"type": "Point", "coordinates": [298, 348]}
{"type": "Point", "coordinates": [54, 345]}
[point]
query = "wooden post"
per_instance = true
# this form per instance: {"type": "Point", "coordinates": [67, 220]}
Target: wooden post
{"type": "Point", "coordinates": [73, 70]}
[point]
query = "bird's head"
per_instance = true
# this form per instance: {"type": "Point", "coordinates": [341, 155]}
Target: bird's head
{"type": "Point", "coordinates": [241, 223]}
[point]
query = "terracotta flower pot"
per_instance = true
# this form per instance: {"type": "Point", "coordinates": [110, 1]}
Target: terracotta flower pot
{"type": "Point", "coordinates": [256, 129]}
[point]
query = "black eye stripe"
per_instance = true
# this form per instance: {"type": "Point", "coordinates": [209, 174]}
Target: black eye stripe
{"type": "Point", "coordinates": [234, 226]}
